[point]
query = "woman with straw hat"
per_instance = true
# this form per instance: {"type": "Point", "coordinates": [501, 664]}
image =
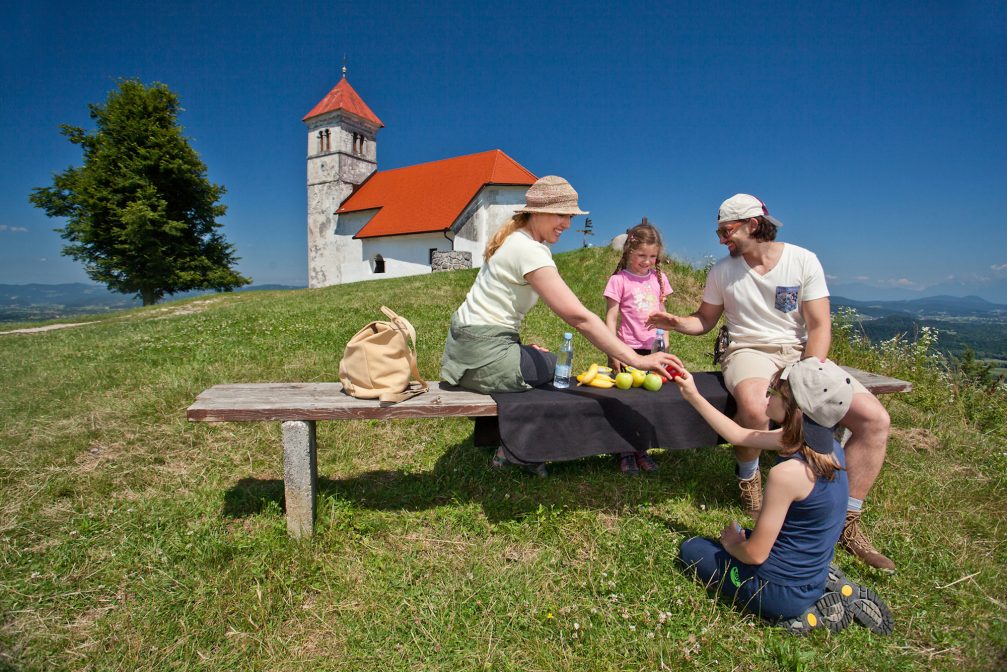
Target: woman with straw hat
{"type": "Point", "coordinates": [483, 351]}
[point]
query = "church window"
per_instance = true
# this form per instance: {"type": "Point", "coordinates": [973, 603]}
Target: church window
{"type": "Point", "coordinates": [379, 263]}
{"type": "Point", "coordinates": [321, 145]}
{"type": "Point", "coordinates": [328, 140]}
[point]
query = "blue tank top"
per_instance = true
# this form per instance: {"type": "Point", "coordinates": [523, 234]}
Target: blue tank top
{"type": "Point", "coordinates": [811, 528]}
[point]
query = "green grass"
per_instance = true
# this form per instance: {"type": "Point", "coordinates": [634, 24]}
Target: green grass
{"type": "Point", "coordinates": [133, 540]}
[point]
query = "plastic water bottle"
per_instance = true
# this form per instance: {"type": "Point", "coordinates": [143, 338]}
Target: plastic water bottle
{"type": "Point", "coordinates": [659, 344]}
{"type": "Point", "coordinates": [564, 362]}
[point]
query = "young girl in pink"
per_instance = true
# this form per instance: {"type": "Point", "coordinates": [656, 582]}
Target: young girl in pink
{"type": "Point", "coordinates": [637, 288]}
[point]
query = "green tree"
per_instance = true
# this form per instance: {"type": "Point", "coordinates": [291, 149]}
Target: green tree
{"type": "Point", "coordinates": [141, 213]}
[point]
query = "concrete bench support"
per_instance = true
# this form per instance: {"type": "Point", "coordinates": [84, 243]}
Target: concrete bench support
{"type": "Point", "coordinates": [300, 476]}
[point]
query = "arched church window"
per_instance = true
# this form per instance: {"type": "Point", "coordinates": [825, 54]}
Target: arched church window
{"type": "Point", "coordinates": [379, 263]}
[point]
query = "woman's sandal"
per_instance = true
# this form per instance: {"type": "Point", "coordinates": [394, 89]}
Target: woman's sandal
{"type": "Point", "coordinates": [627, 464]}
{"type": "Point", "coordinates": [646, 462]}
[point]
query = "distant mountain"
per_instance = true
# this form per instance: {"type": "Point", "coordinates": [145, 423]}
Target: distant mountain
{"type": "Point", "coordinates": [931, 306]}
{"type": "Point", "coordinates": [36, 301]}
{"type": "Point", "coordinates": [993, 290]}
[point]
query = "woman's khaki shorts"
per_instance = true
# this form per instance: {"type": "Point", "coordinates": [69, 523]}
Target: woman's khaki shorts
{"type": "Point", "coordinates": [742, 362]}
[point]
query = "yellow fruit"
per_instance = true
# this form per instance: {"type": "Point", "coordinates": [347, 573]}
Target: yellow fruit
{"type": "Point", "coordinates": [588, 375]}
{"type": "Point", "coordinates": [601, 382]}
{"type": "Point", "coordinates": [638, 376]}
{"type": "Point", "coordinates": [605, 369]}
{"type": "Point", "coordinates": [624, 380]}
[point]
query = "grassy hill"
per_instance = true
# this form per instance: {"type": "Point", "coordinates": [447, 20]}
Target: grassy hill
{"type": "Point", "coordinates": [131, 539]}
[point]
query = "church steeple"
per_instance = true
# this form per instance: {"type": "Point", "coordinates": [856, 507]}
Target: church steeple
{"type": "Point", "coordinates": [342, 153]}
{"type": "Point", "coordinates": [344, 97]}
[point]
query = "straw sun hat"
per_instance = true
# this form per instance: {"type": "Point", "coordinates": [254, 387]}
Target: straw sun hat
{"type": "Point", "coordinates": [553, 195]}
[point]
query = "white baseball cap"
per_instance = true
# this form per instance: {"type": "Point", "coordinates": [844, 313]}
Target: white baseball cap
{"type": "Point", "coordinates": [823, 391]}
{"type": "Point", "coordinates": [743, 206]}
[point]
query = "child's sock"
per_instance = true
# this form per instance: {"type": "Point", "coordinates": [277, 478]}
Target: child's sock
{"type": "Point", "coordinates": [854, 504]}
{"type": "Point", "coordinates": [746, 470]}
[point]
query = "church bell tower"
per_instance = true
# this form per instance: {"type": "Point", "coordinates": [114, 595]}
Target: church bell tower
{"type": "Point", "coordinates": [342, 153]}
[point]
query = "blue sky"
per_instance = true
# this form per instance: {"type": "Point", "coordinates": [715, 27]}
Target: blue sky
{"type": "Point", "coordinates": [877, 132]}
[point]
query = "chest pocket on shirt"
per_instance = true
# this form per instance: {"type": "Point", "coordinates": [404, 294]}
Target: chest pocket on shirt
{"type": "Point", "coordinates": [786, 298]}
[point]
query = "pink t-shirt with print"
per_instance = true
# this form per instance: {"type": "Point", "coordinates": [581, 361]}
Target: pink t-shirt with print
{"type": "Point", "coordinates": [638, 296]}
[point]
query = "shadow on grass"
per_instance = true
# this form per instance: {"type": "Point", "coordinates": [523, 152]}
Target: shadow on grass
{"type": "Point", "coordinates": [463, 474]}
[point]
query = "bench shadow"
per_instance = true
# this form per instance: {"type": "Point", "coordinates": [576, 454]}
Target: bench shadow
{"type": "Point", "coordinates": [463, 474]}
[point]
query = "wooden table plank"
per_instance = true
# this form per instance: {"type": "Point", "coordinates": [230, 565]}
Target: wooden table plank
{"type": "Point", "coordinates": [326, 401]}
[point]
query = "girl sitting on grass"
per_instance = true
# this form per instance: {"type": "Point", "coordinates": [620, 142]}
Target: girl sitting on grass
{"type": "Point", "coordinates": [781, 569]}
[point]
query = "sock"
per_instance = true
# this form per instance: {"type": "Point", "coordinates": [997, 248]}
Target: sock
{"type": "Point", "coordinates": [853, 504]}
{"type": "Point", "coordinates": [746, 470]}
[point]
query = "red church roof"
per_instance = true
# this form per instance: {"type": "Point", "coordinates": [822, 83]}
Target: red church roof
{"type": "Point", "coordinates": [343, 97]}
{"type": "Point", "coordinates": [429, 197]}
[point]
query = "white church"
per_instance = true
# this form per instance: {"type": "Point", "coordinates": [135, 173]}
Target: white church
{"type": "Point", "coordinates": [365, 224]}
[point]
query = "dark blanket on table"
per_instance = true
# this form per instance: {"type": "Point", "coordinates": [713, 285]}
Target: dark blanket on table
{"type": "Point", "coordinates": [547, 424]}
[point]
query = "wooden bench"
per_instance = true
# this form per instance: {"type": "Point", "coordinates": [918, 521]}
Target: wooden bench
{"type": "Point", "coordinates": [299, 405]}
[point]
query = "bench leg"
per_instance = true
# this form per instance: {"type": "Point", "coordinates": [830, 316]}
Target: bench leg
{"type": "Point", "coordinates": [300, 476]}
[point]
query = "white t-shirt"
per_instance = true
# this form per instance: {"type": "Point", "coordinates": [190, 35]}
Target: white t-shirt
{"type": "Point", "coordinates": [765, 309]}
{"type": "Point", "coordinates": [500, 295]}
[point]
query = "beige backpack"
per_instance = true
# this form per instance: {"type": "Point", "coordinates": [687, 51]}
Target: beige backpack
{"type": "Point", "coordinates": [380, 361]}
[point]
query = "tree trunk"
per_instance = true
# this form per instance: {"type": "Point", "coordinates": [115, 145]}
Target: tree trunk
{"type": "Point", "coordinates": [149, 297]}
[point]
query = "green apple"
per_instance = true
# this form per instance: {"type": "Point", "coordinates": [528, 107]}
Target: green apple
{"type": "Point", "coordinates": [624, 380]}
{"type": "Point", "coordinates": [652, 382]}
{"type": "Point", "coordinates": [638, 377]}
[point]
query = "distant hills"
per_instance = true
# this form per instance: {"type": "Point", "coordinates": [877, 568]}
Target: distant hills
{"type": "Point", "coordinates": [990, 289]}
{"type": "Point", "coordinates": [951, 306]}
{"type": "Point", "coordinates": [35, 302]}
{"type": "Point", "coordinates": [962, 322]}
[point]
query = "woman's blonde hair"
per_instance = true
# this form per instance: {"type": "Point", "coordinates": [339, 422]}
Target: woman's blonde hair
{"type": "Point", "coordinates": [516, 222]}
{"type": "Point", "coordinates": [823, 466]}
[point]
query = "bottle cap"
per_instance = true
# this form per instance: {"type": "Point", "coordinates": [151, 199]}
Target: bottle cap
{"type": "Point", "coordinates": [660, 332]}
{"type": "Point", "coordinates": [567, 335]}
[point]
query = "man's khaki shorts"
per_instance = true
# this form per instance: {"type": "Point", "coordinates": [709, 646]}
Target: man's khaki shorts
{"type": "Point", "coordinates": [742, 362]}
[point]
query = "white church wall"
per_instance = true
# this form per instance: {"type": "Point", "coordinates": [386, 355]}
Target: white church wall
{"type": "Point", "coordinates": [494, 206]}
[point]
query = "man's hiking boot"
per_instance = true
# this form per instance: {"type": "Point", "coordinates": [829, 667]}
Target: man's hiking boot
{"type": "Point", "coordinates": [751, 494]}
{"type": "Point", "coordinates": [862, 603]}
{"type": "Point", "coordinates": [828, 612]}
{"type": "Point", "coordinates": [854, 540]}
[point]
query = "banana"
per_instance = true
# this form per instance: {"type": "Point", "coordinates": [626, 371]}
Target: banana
{"type": "Point", "coordinates": [588, 376]}
{"type": "Point", "coordinates": [605, 369]}
{"type": "Point", "coordinates": [601, 382]}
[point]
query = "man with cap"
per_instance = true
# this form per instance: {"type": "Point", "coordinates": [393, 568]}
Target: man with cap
{"type": "Point", "coordinates": [775, 304]}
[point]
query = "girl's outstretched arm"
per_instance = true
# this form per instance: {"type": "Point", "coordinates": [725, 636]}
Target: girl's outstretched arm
{"type": "Point", "coordinates": [723, 425]}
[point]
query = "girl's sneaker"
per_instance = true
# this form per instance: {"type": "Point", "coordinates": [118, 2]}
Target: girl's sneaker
{"type": "Point", "coordinates": [828, 612]}
{"type": "Point", "coordinates": [646, 462]}
{"type": "Point", "coordinates": [627, 464]}
{"type": "Point", "coordinates": [864, 605]}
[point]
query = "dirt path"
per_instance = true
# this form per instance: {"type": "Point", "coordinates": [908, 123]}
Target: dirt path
{"type": "Point", "coordinates": [158, 313]}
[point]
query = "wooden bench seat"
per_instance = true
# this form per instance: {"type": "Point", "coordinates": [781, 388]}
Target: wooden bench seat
{"type": "Point", "coordinates": [299, 405]}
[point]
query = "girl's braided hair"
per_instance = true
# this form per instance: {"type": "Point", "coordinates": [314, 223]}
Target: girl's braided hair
{"type": "Point", "coordinates": [642, 234]}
